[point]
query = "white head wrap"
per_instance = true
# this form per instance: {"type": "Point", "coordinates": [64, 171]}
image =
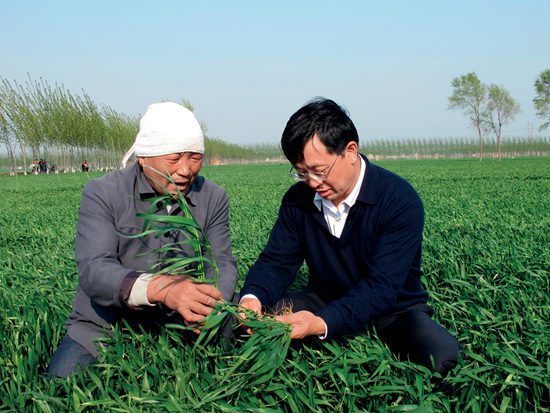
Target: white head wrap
{"type": "Point", "coordinates": [166, 128]}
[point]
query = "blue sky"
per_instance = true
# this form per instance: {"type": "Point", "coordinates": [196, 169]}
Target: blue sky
{"type": "Point", "coordinates": [248, 65]}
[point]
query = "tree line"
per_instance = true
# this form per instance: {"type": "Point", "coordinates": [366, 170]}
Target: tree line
{"type": "Point", "coordinates": [490, 107]}
{"type": "Point", "coordinates": [43, 121]}
{"type": "Point", "coordinates": [453, 147]}
{"type": "Point", "coordinates": [39, 120]}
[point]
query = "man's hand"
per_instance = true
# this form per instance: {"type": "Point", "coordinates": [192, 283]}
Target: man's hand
{"type": "Point", "coordinates": [304, 324]}
{"type": "Point", "coordinates": [252, 304]}
{"type": "Point", "coordinates": [193, 301]}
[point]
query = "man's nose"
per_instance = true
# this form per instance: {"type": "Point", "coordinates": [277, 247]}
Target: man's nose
{"type": "Point", "coordinates": [183, 168]}
{"type": "Point", "coordinates": [312, 182]}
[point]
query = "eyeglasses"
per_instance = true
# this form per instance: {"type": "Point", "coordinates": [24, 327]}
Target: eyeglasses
{"type": "Point", "coordinates": [319, 177]}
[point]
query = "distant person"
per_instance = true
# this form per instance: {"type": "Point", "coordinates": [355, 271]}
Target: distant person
{"type": "Point", "coordinates": [35, 167]}
{"type": "Point", "coordinates": [43, 166]}
{"type": "Point", "coordinates": [84, 166]}
{"type": "Point", "coordinates": [359, 229]}
{"type": "Point", "coordinates": [114, 283]}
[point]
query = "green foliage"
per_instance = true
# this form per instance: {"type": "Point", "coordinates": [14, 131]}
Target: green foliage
{"type": "Point", "coordinates": [218, 151]}
{"type": "Point", "coordinates": [40, 120]}
{"type": "Point", "coordinates": [487, 107]}
{"type": "Point", "coordinates": [469, 96]}
{"type": "Point", "coordinates": [500, 109]}
{"type": "Point", "coordinates": [257, 360]}
{"type": "Point", "coordinates": [453, 147]}
{"type": "Point", "coordinates": [53, 121]}
{"type": "Point", "coordinates": [486, 263]}
{"type": "Point", "coordinates": [158, 225]}
{"type": "Point", "coordinates": [542, 98]}
{"type": "Point", "coordinates": [67, 128]}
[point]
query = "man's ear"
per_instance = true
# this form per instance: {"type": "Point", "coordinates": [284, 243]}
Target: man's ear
{"type": "Point", "coordinates": [352, 151]}
{"type": "Point", "coordinates": [140, 160]}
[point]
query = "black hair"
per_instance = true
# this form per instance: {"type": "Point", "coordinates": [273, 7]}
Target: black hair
{"type": "Point", "coordinates": [320, 116]}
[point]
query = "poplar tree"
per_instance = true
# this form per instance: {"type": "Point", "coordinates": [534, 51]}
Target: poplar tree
{"type": "Point", "coordinates": [501, 108]}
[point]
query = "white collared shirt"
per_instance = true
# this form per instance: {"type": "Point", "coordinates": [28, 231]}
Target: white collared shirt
{"type": "Point", "coordinates": [336, 216]}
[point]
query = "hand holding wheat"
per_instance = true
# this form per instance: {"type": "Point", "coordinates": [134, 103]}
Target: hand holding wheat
{"type": "Point", "coordinates": [192, 300]}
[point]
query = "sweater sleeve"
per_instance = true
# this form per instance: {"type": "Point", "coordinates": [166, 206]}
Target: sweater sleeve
{"type": "Point", "coordinates": [276, 267]}
{"type": "Point", "coordinates": [389, 264]}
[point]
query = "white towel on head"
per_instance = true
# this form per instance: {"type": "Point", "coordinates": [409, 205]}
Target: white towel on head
{"type": "Point", "coordinates": [166, 128]}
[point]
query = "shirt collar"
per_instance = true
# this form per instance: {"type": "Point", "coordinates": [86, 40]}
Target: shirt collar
{"type": "Point", "coordinates": [371, 186]}
{"type": "Point", "coordinates": [192, 195]}
{"type": "Point", "coordinates": [318, 201]}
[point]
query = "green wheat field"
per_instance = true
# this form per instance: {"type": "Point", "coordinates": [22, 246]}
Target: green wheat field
{"type": "Point", "coordinates": [486, 265]}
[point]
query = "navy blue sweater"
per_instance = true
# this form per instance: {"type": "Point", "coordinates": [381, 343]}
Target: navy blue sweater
{"type": "Point", "coordinates": [373, 269]}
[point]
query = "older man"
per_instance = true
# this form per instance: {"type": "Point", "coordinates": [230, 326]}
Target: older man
{"type": "Point", "coordinates": [114, 280]}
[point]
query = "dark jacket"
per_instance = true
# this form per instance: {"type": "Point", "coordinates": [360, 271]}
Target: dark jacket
{"type": "Point", "coordinates": [374, 267]}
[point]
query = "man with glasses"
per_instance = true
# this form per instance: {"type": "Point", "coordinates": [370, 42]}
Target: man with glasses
{"type": "Point", "coordinates": [359, 229]}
